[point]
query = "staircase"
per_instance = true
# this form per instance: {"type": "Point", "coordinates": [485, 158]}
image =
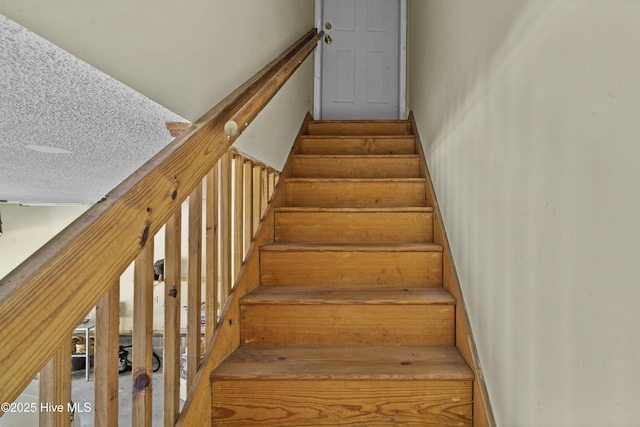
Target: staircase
{"type": "Point", "coordinates": [350, 325]}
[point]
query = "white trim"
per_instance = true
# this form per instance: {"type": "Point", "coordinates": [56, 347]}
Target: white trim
{"type": "Point", "coordinates": [317, 67]}
{"type": "Point", "coordinates": [317, 64]}
{"type": "Point", "coordinates": [402, 102]}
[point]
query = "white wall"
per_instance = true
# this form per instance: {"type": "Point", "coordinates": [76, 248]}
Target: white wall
{"type": "Point", "coordinates": [186, 55]}
{"type": "Point", "coordinates": [529, 111]}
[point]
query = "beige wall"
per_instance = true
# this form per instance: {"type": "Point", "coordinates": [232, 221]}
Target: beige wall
{"type": "Point", "coordinates": [27, 228]}
{"type": "Point", "coordinates": [186, 55]}
{"type": "Point", "coordinates": [530, 115]}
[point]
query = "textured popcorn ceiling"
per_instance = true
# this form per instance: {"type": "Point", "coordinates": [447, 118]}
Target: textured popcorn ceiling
{"type": "Point", "coordinates": [68, 132]}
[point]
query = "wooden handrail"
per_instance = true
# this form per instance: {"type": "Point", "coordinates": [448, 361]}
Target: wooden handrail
{"type": "Point", "coordinates": [49, 294]}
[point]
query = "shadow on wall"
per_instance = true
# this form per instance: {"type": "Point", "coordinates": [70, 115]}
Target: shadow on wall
{"type": "Point", "coordinates": [495, 32]}
{"type": "Point", "coordinates": [529, 114]}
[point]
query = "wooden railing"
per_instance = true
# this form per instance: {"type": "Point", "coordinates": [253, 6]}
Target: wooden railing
{"type": "Point", "coordinates": [45, 298]}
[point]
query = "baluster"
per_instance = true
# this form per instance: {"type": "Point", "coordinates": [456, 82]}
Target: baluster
{"type": "Point", "coordinates": [171, 343]}
{"type": "Point", "coordinates": [142, 336]}
{"type": "Point", "coordinates": [238, 254]}
{"type": "Point", "coordinates": [272, 182]}
{"type": "Point", "coordinates": [248, 207]}
{"type": "Point", "coordinates": [257, 211]}
{"type": "Point", "coordinates": [225, 227]}
{"type": "Point", "coordinates": [264, 190]}
{"type": "Point", "coordinates": [194, 293]}
{"type": "Point", "coordinates": [106, 358]}
{"type": "Point", "coordinates": [211, 269]}
{"type": "Point", "coordinates": [55, 388]}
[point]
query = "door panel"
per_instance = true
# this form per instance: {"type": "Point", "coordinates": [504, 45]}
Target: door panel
{"type": "Point", "coordinates": [360, 67]}
{"type": "Point", "coordinates": [376, 16]}
{"type": "Point", "coordinates": [346, 68]}
{"type": "Point", "coordinates": [376, 83]}
{"type": "Point", "coordinates": [345, 15]}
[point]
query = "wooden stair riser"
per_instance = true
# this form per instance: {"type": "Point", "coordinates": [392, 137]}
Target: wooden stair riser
{"type": "Point", "coordinates": [285, 324]}
{"type": "Point", "coordinates": [336, 226]}
{"type": "Point", "coordinates": [332, 166]}
{"type": "Point", "coordinates": [359, 128]}
{"type": "Point", "coordinates": [345, 145]}
{"type": "Point", "coordinates": [332, 403]}
{"type": "Point", "coordinates": [291, 268]}
{"type": "Point", "coordinates": [340, 193]}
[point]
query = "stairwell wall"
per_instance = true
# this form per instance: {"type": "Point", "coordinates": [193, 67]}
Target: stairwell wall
{"type": "Point", "coordinates": [528, 112]}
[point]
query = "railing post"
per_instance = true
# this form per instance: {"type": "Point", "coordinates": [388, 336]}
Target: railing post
{"type": "Point", "coordinates": [55, 388]}
{"type": "Point", "coordinates": [142, 337]}
{"type": "Point", "coordinates": [106, 358]}
{"type": "Point", "coordinates": [194, 293]}
{"type": "Point", "coordinates": [171, 341]}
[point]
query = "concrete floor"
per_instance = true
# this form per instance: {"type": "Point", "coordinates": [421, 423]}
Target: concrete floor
{"type": "Point", "coordinates": [82, 391]}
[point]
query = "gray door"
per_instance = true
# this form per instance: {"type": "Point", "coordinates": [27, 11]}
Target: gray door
{"type": "Point", "coordinates": [360, 59]}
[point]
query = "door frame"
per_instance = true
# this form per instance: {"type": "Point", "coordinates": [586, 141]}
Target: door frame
{"type": "Point", "coordinates": [402, 50]}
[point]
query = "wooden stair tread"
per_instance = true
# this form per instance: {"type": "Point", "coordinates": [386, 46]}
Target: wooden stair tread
{"type": "Point", "coordinates": [343, 295]}
{"type": "Point", "coordinates": [349, 247]}
{"type": "Point", "coordinates": [357, 156]}
{"type": "Point", "coordinates": [419, 209]}
{"type": "Point", "coordinates": [359, 180]}
{"type": "Point", "coordinates": [344, 363]}
{"type": "Point", "coordinates": [350, 137]}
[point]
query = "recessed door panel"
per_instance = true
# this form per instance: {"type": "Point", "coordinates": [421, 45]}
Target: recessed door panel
{"type": "Point", "coordinates": [376, 83]}
{"type": "Point", "coordinates": [345, 18]}
{"type": "Point", "coordinates": [346, 69]}
{"type": "Point", "coordinates": [376, 16]}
